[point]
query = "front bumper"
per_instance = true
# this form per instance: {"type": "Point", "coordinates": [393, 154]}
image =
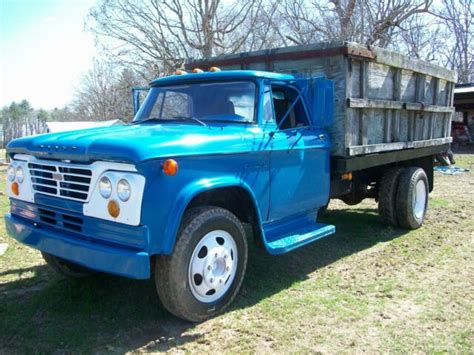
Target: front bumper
{"type": "Point", "coordinates": [98, 254]}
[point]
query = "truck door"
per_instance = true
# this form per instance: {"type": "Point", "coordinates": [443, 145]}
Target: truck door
{"type": "Point", "coordinates": [299, 158]}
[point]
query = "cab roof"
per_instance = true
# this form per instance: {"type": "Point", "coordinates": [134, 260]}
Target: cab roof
{"type": "Point", "coordinates": [225, 74]}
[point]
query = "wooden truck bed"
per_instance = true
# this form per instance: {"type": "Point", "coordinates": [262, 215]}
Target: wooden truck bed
{"type": "Point", "coordinates": [384, 101]}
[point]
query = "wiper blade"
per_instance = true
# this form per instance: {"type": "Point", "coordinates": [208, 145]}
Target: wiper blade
{"type": "Point", "coordinates": [146, 120]}
{"type": "Point", "coordinates": [186, 118]}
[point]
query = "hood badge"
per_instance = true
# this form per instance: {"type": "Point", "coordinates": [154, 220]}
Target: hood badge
{"type": "Point", "coordinates": [57, 147]}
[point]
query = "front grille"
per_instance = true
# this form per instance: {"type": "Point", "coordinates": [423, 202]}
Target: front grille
{"type": "Point", "coordinates": [61, 180]}
{"type": "Point", "coordinates": [58, 219]}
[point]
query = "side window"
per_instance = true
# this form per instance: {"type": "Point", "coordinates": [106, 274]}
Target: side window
{"type": "Point", "coordinates": [283, 98]}
{"type": "Point", "coordinates": [268, 115]}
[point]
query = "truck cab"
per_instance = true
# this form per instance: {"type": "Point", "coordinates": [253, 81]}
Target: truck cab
{"type": "Point", "coordinates": [210, 160]}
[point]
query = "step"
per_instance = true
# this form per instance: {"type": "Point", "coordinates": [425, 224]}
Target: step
{"type": "Point", "coordinates": [285, 237]}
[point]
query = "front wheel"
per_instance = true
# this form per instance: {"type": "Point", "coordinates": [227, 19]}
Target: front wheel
{"type": "Point", "coordinates": [206, 269]}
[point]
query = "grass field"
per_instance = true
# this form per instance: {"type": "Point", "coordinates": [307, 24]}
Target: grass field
{"type": "Point", "coordinates": [368, 288]}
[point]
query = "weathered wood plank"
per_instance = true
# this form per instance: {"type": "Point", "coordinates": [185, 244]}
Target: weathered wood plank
{"type": "Point", "coordinates": [377, 148]}
{"type": "Point", "coordinates": [430, 125]}
{"type": "Point", "coordinates": [349, 67]}
{"type": "Point", "coordinates": [398, 60]}
{"type": "Point", "coordinates": [364, 84]}
{"type": "Point", "coordinates": [396, 105]}
{"type": "Point", "coordinates": [387, 126]}
{"type": "Point", "coordinates": [397, 77]}
{"type": "Point", "coordinates": [410, 106]}
{"type": "Point", "coordinates": [430, 142]}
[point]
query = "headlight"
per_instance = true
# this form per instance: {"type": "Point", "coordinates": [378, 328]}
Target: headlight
{"type": "Point", "coordinates": [124, 190]}
{"type": "Point", "coordinates": [11, 173]}
{"type": "Point", "coordinates": [105, 187]}
{"type": "Point", "coordinates": [20, 174]}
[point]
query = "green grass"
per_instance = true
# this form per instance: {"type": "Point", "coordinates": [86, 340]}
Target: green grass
{"type": "Point", "coordinates": [368, 288]}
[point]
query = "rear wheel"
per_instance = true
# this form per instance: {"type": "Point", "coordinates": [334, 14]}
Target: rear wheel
{"type": "Point", "coordinates": [387, 195]}
{"type": "Point", "coordinates": [206, 269]}
{"type": "Point", "coordinates": [412, 198]}
{"type": "Point", "coordinates": [66, 268]}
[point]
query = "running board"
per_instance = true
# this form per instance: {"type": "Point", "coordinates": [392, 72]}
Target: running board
{"type": "Point", "coordinates": [283, 237]}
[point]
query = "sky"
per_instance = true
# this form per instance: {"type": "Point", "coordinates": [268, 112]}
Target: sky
{"type": "Point", "coordinates": [44, 50]}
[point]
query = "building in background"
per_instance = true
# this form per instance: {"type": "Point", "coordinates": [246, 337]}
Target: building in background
{"type": "Point", "coordinates": [463, 122]}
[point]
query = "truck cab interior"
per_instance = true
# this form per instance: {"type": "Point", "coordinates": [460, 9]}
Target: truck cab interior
{"type": "Point", "coordinates": [283, 98]}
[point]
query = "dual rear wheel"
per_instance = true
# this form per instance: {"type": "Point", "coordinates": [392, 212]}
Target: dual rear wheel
{"type": "Point", "coordinates": [403, 197]}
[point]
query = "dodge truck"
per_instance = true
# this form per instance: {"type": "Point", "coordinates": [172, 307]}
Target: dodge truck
{"type": "Point", "coordinates": [215, 158]}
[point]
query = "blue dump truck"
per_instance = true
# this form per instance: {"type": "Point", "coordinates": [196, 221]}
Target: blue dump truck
{"type": "Point", "coordinates": [217, 158]}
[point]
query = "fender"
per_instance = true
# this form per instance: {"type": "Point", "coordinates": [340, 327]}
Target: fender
{"type": "Point", "coordinates": [189, 192]}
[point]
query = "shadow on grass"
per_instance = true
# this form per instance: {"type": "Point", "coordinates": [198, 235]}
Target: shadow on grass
{"type": "Point", "coordinates": [106, 313]}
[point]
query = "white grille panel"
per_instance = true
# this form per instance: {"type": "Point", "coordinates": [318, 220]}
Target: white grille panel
{"type": "Point", "coordinates": [61, 180]}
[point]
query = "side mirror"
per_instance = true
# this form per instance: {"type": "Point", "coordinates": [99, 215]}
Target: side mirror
{"type": "Point", "coordinates": [323, 102]}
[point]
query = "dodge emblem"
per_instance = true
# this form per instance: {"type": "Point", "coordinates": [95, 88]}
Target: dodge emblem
{"type": "Point", "coordinates": [57, 176]}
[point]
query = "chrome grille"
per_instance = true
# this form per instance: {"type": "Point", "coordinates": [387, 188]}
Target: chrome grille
{"type": "Point", "coordinates": [60, 180]}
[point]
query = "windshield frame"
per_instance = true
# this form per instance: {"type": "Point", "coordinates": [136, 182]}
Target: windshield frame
{"type": "Point", "coordinates": [137, 118]}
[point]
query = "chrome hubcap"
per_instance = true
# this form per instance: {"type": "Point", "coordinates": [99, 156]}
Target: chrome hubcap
{"type": "Point", "coordinates": [213, 266]}
{"type": "Point", "coordinates": [419, 199]}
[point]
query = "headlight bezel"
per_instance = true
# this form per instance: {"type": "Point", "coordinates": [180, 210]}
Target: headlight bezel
{"type": "Point", "coordinates": [124, 194]}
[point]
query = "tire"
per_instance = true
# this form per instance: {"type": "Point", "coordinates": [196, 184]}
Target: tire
{"type": "Point", "coordinates": [412, 198]}
{"type": "Point", "coordinates": [206, 269]}
{"type": "Point", "coordinates": [387, 196]}
{"type": "Point", "coordinates": [66, 268]}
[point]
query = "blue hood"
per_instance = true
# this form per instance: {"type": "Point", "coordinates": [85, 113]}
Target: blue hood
{"type": "Point", "coordinates": [137, 143]}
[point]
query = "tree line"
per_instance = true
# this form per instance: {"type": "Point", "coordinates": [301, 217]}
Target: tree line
{"type": "Point", "coordinates": [143, 39]}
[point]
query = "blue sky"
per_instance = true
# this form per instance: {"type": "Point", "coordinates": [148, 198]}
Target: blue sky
{"type": "Point", "coordinates": [44, 50]}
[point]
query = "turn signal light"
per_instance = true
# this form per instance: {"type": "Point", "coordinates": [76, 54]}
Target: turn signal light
{"type": "Point", "coordinates": [170, 167]}
{"type": "Point", "coordinates": [346, 176]}
{"type": "Point", "coordinates": [214, 69]}
{"type": "Point", "coordinates": [197, 70]}
{"type": "Point", "coordinates": [113, 208]}
{"type": "Point", "coordinates": [16, 188]}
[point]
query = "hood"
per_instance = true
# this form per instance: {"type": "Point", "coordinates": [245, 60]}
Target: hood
{"type": "Point", "coordinates": [137, 143]}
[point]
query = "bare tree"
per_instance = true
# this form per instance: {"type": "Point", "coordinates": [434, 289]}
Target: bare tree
{"type": "Point", "coordinates": [154, 36]}
{"type": "Point", "coordinates": [373, 22]}
{"type": "Point", "coordinates": [420, 37]}
{"type": "Point", "coordinates": [458, 17]}
{"type": "Point", "coordinates": [105, 93]}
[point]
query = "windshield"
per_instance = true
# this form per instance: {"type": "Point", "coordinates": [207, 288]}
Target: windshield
{"type": "Point", "coordinates": [216, 101]}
